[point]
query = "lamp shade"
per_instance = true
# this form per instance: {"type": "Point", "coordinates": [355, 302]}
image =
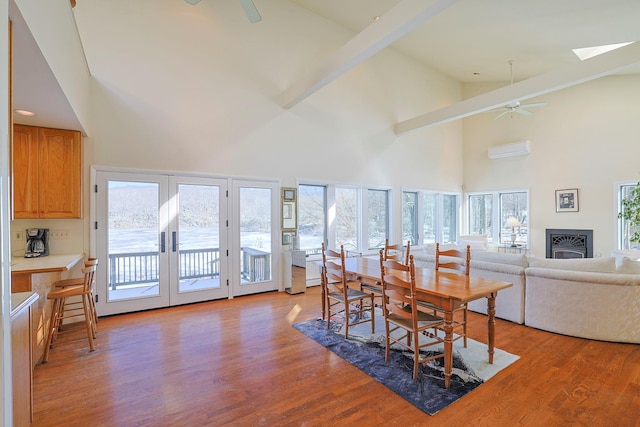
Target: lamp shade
{"type": "Point", "coordinates": [512, 222]}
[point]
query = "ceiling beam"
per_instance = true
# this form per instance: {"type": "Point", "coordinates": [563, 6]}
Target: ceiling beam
{"type": "Point", "coordinates": [400, 20]}
{"type": "Point", "coordinates": [582, 72]}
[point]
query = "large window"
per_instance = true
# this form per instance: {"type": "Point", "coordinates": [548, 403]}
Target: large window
{"type": "Point", "coordinates": [485, 210]}
{"type": "Point", "coordinates": [312, 219]}
{"type": "Point", "coordinates": [625, 230]}
{"type": "Point", "coordinates": [347, 218]}
{"type": "Point", "coordinates": [429, 217]}
{"type": "Point", "coordinates": [355, 217]}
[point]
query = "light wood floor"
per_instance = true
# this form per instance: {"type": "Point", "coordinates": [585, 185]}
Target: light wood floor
{"type": "Point", "coordinates": [240, 363]}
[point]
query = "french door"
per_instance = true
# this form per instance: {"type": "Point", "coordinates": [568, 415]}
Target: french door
{"type": "Point", "coordinates": [165, 240]}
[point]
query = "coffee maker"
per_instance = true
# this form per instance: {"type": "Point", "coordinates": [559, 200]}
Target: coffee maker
{"type": "Point", "coordinates": [37, 242]}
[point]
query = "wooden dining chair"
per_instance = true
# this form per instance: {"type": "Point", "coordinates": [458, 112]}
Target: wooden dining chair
{"type": "Point", "coordinates": [341, 299]}
{"type": "Point", "coordinates": [59, 315]}
{"type": "Point", "coordinates": [400, 311]}
{"type": "Point", "coordinates": [395, 252]}
{"type": "Point", "coordinates": [449, 263]}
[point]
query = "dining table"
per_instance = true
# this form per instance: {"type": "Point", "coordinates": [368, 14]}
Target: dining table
{"type": "Point", "coordinates": [446, 290]}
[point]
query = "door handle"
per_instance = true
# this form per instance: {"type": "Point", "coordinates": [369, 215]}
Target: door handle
{"type": "Point", "coordinates": [162, 248]}
{"type": "Point", "coordinates": [173, 243]}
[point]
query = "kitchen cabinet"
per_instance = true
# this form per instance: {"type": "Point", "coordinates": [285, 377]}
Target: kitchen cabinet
{"type": "Point", "coordinates": [46, 172]}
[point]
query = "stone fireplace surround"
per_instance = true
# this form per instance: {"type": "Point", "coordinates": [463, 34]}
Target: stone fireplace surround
{"type": "Point", "coordinates": [569, 243]}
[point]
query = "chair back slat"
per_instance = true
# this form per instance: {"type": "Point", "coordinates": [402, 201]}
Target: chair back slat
{"type": "Point", "coordinates": [397, 252]}
{"type": "Point", "coordinates": [454, 264]}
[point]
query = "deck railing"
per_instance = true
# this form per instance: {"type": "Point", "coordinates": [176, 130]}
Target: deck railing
{"type": "Point", "coordinates": [137, 268]}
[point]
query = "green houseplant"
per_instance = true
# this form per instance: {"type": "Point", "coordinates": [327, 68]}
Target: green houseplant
{"type": "Point", "coordinates": [631, 212]}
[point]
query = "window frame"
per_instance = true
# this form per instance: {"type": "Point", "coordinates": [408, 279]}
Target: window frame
{"type": "Point", "coordinates": [622, 242]}
{"type": "Point", "coordinates": [362, 216]}
{"type": "Point", "coordinates": [496, 236]}
{"type": "Point", "coordinates": [418, 238]}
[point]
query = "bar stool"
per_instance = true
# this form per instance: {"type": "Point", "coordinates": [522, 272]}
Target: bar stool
{"type": "Point", "coordinates": [78, 281]}
{"type": "Point", "coordinates": [59, 296]}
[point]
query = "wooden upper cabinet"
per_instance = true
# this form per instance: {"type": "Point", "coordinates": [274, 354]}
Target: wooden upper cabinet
{"type": "Point", "coordinates": [46, 172]}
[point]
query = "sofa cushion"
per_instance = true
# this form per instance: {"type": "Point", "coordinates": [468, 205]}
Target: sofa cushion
{"type": "Point", "coordinates": [628, 266]}
{"type": "Point", "coordinates": [501, 258]}
{"type": "Point", "coordinates": [594, 265]}
{"type": "Point", "coordinates": [476, 242]}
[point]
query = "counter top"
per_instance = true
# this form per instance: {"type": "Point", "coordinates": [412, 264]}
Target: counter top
{"type": "Point", "coordinates": [20, 300]}
{"type": "Point", "coordinates": [45, 264]}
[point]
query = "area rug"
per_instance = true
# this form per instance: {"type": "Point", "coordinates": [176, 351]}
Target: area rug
{"type": "Point", "coordinates": [366, 351]}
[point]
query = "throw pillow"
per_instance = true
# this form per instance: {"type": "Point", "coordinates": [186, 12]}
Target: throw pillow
{"type": "Point", "coordinates": [629, 266]}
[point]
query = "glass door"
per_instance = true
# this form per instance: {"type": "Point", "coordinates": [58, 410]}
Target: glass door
{"type": "Point", "coordinates": [198, 239]}
{"type": "Point", "coordinates": [131, 242]}
{"type": "Point", "coordinates": [161, 240]}
{"type": "Point", "coordinates": [256, 237]}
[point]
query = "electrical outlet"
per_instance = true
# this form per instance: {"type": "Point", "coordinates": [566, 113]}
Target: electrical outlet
{"type": "Point", "coordinates": [19, 236]}
{"type": "Point", "coordinates": [59, 234]}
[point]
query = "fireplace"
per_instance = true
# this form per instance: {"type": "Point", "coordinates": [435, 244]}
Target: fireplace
{"type": "Point", "coordinates": [567, 243]}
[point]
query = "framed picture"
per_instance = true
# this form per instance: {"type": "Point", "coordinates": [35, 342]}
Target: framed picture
{"type": "Point", "coordinates": [287, 237]}
{"type": "Point", "coordinates": [567, 200]}
{"type": "Point", "coordinates": [289, 194]}
{"type": "Point", "coordinates": [289, 219]}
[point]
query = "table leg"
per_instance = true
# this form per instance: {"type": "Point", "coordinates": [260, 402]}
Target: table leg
{"type": "Point", "coordinates": [491, 323]}
{"type": "Point", "coordinates": [448, 346]}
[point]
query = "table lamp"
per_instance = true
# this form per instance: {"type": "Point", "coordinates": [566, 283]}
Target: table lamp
{"type": "Point", "coordinates": [513, 223]}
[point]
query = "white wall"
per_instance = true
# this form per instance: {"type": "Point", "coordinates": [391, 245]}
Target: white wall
{"type": "Point", "coordinates": [585, 138]}
{"type": "Point", "coordinates": [195, 89]}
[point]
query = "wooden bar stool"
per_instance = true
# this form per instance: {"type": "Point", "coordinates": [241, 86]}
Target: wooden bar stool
{"type": "Point", "coordinates": [79, 281]}
{"type": "Point", "coordinates": [58, 314]}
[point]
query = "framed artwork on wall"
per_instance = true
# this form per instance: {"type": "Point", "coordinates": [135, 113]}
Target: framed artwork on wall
{"type": "Point", "coordinates": [567, 200]}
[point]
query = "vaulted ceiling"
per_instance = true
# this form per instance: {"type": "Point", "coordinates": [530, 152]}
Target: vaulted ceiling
{"type": "Point", "coordinates": [468, 40]}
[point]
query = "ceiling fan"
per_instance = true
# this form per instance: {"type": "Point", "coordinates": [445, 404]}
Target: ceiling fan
{"type": "Point", "coordinates": [516, 106]}
{"type": "Point", "coordinates": [248, 6]}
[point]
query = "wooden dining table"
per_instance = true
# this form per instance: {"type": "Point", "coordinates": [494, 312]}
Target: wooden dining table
{"type": "Point", "coordinates": [445, 290]}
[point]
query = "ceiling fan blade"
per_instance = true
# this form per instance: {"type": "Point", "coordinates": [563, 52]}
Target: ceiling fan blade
{"type": "Point", "coordinates": [502, 114]}
{"type": "Point", "coordinates": [251, 11]}
{"type": "Point", "coordinates": [523, 111]}
{"type": "Point", "coordinates": [192, 2]}
{"type": "Point", "coordinates": [534, 104]}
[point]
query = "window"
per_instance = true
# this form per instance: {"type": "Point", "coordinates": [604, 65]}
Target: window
{"type": "Point", "coordinates": [434, 216]}
{"type": "Point", "coordinates": [625, 230]}
{"type": "Point", "coordinates": [480, 214]}
{"type": "Point", "coordinates": [347, 215]}
{"type": "Point", "coordinates": [486, 209]}
{"type": "Point", "coordinates": [409, 216]}
{"type": "Point", "coordinates": [355, 217]}
{"type": "Point", "coordinates": [312, 219]}
{"type": "Point", "coordinates": [377, 218]}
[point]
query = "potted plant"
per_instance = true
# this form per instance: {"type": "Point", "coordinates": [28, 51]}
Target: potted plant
{"type": "Point", "coordinates": [631, 213]}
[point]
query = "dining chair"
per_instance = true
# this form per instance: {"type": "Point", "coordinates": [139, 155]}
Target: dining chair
{"type": "Point", "coordinates": [400, 311]}
{"type": "Point", "coordinates": [450, 259]}
{"type": "Point", "coordinates": [395, 252]}
{"type": "Point", "coordinates": [59, 315]}
{"type": "Point", "coordinates": [354, 305]}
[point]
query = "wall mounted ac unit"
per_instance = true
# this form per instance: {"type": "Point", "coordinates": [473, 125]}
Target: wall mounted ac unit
{"type": "Point", "coordinates": [509, 150]}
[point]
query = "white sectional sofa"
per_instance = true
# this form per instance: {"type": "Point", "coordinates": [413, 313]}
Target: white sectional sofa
{"type": "Point", "coordinates": [593, 298]}
{"type": "Point", "coordinates": [588, 298]}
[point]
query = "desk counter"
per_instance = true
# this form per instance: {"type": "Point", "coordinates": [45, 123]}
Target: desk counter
{"type": "Point", "coordinates": [37, 275]}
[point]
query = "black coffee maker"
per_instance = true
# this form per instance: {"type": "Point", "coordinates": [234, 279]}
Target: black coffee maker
{"type": "Point", "coordinates": [37, 242]}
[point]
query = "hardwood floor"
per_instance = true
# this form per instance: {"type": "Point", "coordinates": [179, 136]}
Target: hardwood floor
{"type": "Point", "coordinates": [239, 362]}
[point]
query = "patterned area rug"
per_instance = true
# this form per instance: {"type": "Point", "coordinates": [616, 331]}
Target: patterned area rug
{"type": "Point", "coordinates": [366, 351]}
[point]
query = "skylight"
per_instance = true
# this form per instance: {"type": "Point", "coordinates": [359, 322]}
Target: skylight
{"type": "Point", "coordinates": [589, 52]}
